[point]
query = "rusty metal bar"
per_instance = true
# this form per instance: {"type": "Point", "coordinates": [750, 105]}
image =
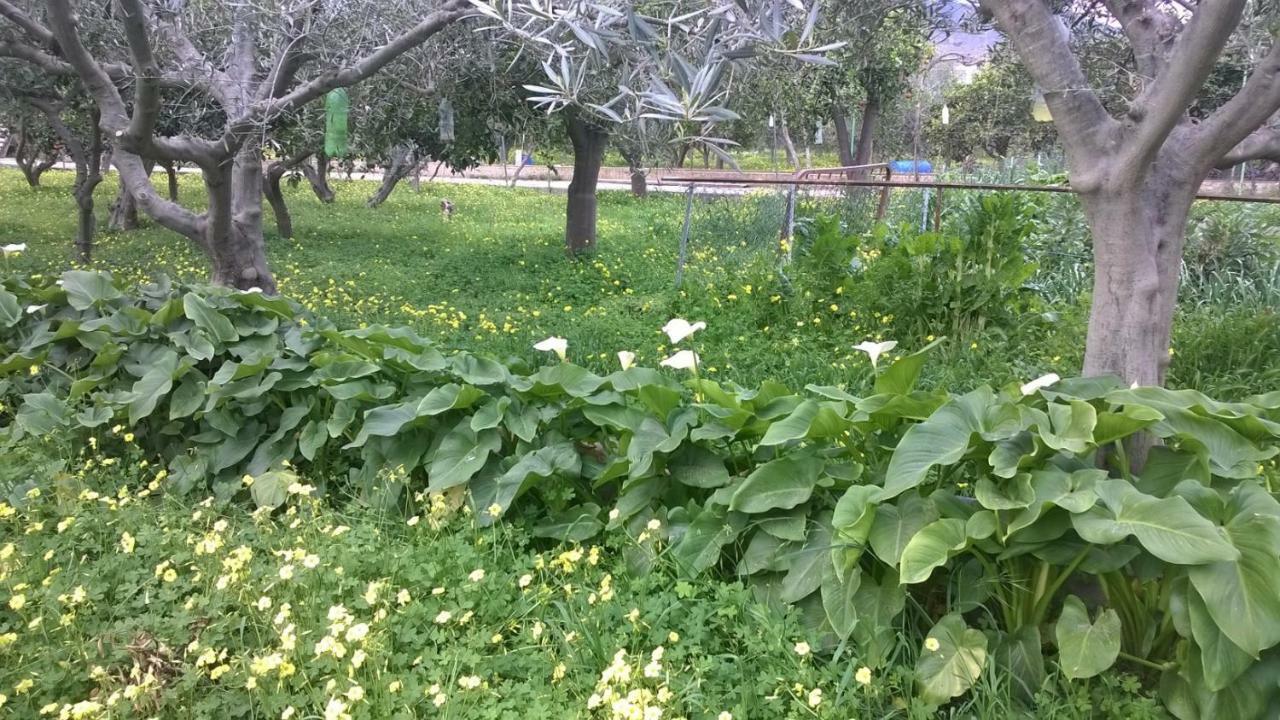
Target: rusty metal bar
{"type": "Point", "coordinates": [891, 184]}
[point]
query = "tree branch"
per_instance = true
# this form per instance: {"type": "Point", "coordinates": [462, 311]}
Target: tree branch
{"type": "Point", "coordinates": [1261, 144]}
{"type": "Point", "coordinates": [262, 112]}
{"type": "Point", "coordinates": [29, 25]}
{"type": "Point", "coordinates": [1164, 102]}
{"type": "Point", "coordinates": [1042, 42]}
{"type": "Point", "coordinates": [1243, 114]}
{"type": "Point", "coordinates": [1150, 31]}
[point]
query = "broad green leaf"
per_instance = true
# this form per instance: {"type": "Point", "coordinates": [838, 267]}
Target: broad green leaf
{"type": "Point", "coordinates": [931, 548]}
{"type": "Point", "coordinates": [808, 565]}
{"type": "Point", "coordinates": [790, 526]}
{"type": "Point", "coordinates": [86, 289]}
{"type": "Point", "coordinates": [783, 483]}
{"type": "Point", "coordinates": [311, 439]}
{"type": "Point", "coordinates": [1168, 528]}
{"type": "Point", "coordinates": [1243, 596]}
{"type": "Point", "coordinates": [41, 413]}
{"type": "Point", "coordinates": [896, 524]}
{"type": "Point", "coordinates": [943, 439]}
{"type": "Point", "coordinates": [900, 378]}
{"type": "Point", "coordinates": [1019, 657]}
{"type": "Point", "coordinates": [270, 489]}
{"type": "Point", "coordinates": [1086, 648]}
{"type": "Point", "coordinates": [1012, 494]}
{"type": "Point", "coordinates": [573, 525]}
{"type": "Point", "coordinates": [460, 456]}
{"type": "Point", "coordinates": [1222, 661]}
{"type": "Point", "coordinates": [448, 397]}
{"type": "Point", "coordinates": [386, 421]}
{"type": "Point", "coordinates": [208, 319]}
{"type": "Point", "coordinates": [1071, 426]}
{"type": "Point", "coordinates": [793, 427]}
{"type": "Point", "coordinates": [10, 310]}
{"type": "Point", "coordinates": [698, 467]}
{"type": "Point", "coordinates": [150, 388]}
{"type": "Point", "coordinates": [700, 546]}
{"type": "Point", "coordinates": [839, 591]}
{"type": "Point", "coordinates": [490, 414]}
{"type": "Point", "coordinates": [855, 513]}
{"type": "Point", "coordinates": [763, 554]}
{"type": "Point", "coordinates": [957, 663]}
{"type": "Point", "coordinates": [878, 605]}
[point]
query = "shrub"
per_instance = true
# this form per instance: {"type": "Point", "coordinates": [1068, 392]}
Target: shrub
{"type": "Point", "coordinates": [980, 507]}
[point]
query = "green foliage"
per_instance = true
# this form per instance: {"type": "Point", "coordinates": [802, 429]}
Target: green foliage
{"type": "Point", "coordinates": [838, 504]}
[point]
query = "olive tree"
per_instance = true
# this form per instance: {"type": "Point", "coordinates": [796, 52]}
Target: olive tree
{"type": "Point", "coordinates": [255, 61]}
{"type": "Point", "coordinates": [616, 62]}
{"type": "Point", "coordinates": [1138, 170]}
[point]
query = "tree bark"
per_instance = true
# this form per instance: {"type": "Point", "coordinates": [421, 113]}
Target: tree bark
{"type": "Point", "coordinates": [589, 143]}
{"type": "Point", "coordinates": [1138, 234]}
{"type": "Point", "coordinates": [233, 223]}
{"type": "Point", "coordinates": [402, 163]}
{"type": "Point", "coordinates": [271, 189]}
{"type": "Point", "coordinates": [318, 178]}
{"type": "Point", "coordinates": [792, 158]}
{"type": "Point", "coordinates": [87, 180]}
{"type": "Point", "coordinates": [124, 211]}
{"type": "Point", "coordinates": [639, 179]}
{"type": "Point", "coordinates": [867, 132]}
{"type": "Point", "coordinates": [171, 170]}
{"type": "Point", "coordinates": [27, 156]}
{"type": "Point", "coordinates": [844, 146]}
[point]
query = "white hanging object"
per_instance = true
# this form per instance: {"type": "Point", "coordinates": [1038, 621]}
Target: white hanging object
{"type": "Point", "coordinates": [1040, 108]}
{"type": "Point", "coordinates": [770, 120]}
{"type": "Point", "coordinates": [946, 115]}
{"type": "Point", "coordinates": [817, 135]}
{"type": "Point", "coordinates": [446, 121]}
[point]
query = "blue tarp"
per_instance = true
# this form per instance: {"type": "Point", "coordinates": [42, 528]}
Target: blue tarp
{"type": "Point", "coordinates": [910, 166]}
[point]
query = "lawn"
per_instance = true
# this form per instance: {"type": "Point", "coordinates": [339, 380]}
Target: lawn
{"type": "Point", "coordinates": [138, 579]}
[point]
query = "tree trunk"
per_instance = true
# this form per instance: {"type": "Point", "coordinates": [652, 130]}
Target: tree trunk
{"type": "Point", "coordinates": [318, 178]}
{"type": "Point", "coordinates": [867, 132]}
{"type": "Point", "coordinates": [792, 158]}
{"type": "Point", "coordinates": [233, 226]}
{"type": "Point", "coordinates": [28, 159]}
{"type": "Point", "coordinates": [402, 163]}
{"type": "Point", "coordinates": [1138, 234]}
{"type": "Point", "coordinates": [171, 170]}
{"type": "Point", "coordinates": [88, 176]}
{"type": "Point", "coordinates": [844, 147]}
{"type": "Point", "coordinates": [589, 143]}
{"type": "Point", "coordinates": [271, 189]}
{"type": "Point", "coordinates": [124, 211]}
{"type": "Point", "coordinates": [639, 179]}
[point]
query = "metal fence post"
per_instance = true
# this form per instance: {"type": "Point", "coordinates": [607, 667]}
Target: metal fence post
{"type": "Point", "coordinates": [684, 235]}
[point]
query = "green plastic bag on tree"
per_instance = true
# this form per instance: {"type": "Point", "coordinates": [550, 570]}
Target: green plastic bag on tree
{"type": "Point", "coordinates": [336, 108]}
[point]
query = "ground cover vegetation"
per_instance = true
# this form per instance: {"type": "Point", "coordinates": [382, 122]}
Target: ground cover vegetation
{"type": "Point", "coordinates": [885, 530]}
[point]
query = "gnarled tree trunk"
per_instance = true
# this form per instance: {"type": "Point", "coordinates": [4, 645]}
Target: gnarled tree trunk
{"type": "Point", "coordinates": [235, 229]}
{"type": "Point", "coordinates": [27, 156]}
{"type": "Point", "coordinates": [124, 210]}
{"type": "Point", "coordinates": [403, 162]}
{"type": "Point", "coordinates": [271, 189]}
{"type": "Point", "coordinates": [318, 177]}
{"type": "Point", "coordinates": [589, 143]}
{"type": "Point", "coordinates": [792, 158]}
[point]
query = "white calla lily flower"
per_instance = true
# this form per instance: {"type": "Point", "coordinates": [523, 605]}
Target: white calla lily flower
{"type": "Point", "coordinates": [683, 360]}
{"type": "Point", "coordinates": [33, 309]}
{"type": "Point", "coordinates": [678, 328]}
{"type": "Point", "coordinates": [557, 345]}
{"type": "Point", "coordinates": [875, 349]}
{"type": "Point", "coordinates": [13, 249]}
{"type": "Point", "coordinates": [626, 359]}
{"type": "Point", "coordinates": [1039, 383]}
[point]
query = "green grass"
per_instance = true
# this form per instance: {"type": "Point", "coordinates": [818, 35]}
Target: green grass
{"type": "Point", "coordinates": [496, 279]}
